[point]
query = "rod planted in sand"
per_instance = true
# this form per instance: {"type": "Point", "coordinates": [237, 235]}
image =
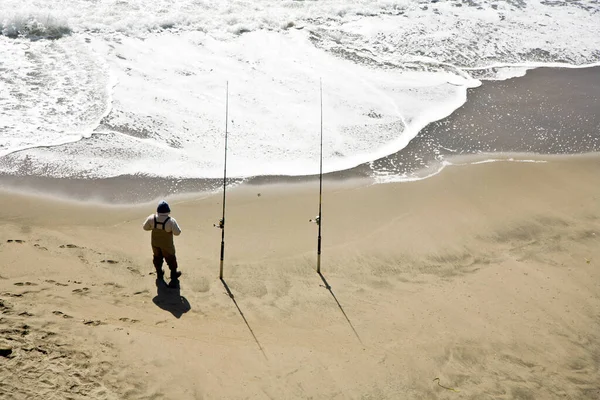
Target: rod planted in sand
{"type": "Point", "coordinates": [222, 221]}
{"type": "Point", "coordinates": [320, 183]}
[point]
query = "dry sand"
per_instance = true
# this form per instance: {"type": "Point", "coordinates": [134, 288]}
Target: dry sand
{"type": "Point", "coordinates": [484, 276]}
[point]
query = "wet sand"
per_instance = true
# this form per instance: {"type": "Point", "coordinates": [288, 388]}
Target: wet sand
{"type": "Point", "coordinates": [547, 111]}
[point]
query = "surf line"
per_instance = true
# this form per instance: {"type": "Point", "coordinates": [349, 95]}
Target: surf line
{"type": "Point", "coordinates": [221, 224]}
{"type": "Point", "coordinates": [317, 219]}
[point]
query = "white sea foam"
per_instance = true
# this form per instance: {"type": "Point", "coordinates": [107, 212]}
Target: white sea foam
{"type": "Point", "coordinates": [144, 82]}
{"type": "Point", "coordinates": [436, 168]}
{"type": "Point", "coordinates": [33, 25]}
{"type": "Point", "coordinates": [54, 93]}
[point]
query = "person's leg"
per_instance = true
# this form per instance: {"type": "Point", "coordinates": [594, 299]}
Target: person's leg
{"type": "Point", "coordinates": [157, 260]}
{"type": "Point", "coordinates": [172, 263]}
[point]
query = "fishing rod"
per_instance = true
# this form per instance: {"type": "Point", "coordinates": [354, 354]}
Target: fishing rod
{"type": "Point", "coordinates": [317, 219]}
{"type": "Point", "coordinates": [222, 220]}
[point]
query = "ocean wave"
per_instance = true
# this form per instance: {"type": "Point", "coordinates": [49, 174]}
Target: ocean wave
{"type": "Point", "coordinates": [34, 26]}
{"type": "Point", "coordinates": [388, 69]}
{"type": "Point", "coordinates": [469, 34]}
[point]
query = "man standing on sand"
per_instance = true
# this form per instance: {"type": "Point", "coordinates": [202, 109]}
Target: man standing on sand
{"type": "Point", "coordinates": [163, 228]}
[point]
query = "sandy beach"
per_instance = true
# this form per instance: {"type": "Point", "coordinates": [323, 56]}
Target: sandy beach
{"type": "Point", "coordinates": [458, 143]}
{"type": "Point", "coordinates": [484, 276]}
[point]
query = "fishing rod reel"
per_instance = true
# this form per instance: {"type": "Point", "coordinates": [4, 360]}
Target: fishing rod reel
{"type": "Point", "coordinates": [221, 224]}
{"type": "Point", "coordinates": [317, 220]}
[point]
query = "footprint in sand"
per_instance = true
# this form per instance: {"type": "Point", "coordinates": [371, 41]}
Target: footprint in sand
{"type": "Point", "coordinates": [40, 247]}
{"type": "Point", "coordinates": [9, 294]}
{"type": "Point", "coordinates": [83, 290]}
{"type": "Point", "coordinates": [15, 241]}
{"type": "Point", "coordinates": [35, 348]}
{"type": "Point", "coordinates": [69, 246]}
{"type": "Point", "coordinates": [115, 285]}
{"type": "Point", "coordinates": [135, 271]}
{"type": "Point", "coordinates": [110, 261]}
{"type": "Point", "coordinates": [5, 308]}
{"type": "Point", "coordinates": [25, 284]}
{"type": "Point", "coordinates": [133, 321]}
{"type": "Point", "coordinates": [25, 314]}
{"type": "Point", "coordinates": [92, 322]}
{"type": "Point", "coordinates": [61, 314]}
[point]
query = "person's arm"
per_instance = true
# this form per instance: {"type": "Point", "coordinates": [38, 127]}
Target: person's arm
{"type": "Point", "coordinates": [148, 224]}
{"type": "Point", "coordinates": [174, 227]}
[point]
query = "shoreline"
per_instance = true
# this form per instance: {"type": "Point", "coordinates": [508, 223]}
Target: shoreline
{"type": "Point", "coordinates": [121, 190]}
{"type": "Point", "coordinates": [547, 112]}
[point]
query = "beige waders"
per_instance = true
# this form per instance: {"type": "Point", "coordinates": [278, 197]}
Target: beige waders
{"type": "Point", "coordinates": [163, 248]}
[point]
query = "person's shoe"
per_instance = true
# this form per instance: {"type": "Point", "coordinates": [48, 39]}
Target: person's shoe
{"type": "Point", "coordinates": [174, 283]}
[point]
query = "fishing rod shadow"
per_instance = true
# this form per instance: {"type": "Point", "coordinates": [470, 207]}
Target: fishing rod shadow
{"type": "Point", "coordinates": [242, 314]}
{"type": "Point", "coordinates": [328, 287]}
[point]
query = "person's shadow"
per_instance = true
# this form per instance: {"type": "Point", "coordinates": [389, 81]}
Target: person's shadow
{"type": "Point", "coordinates": [170, 299]}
